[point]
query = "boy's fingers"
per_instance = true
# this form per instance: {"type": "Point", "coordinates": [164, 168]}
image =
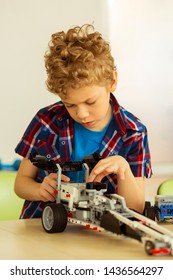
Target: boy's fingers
{"type": "Point", "coordinates": [120, 172]}
{"type": "Point", "coordinates": [65, 178]}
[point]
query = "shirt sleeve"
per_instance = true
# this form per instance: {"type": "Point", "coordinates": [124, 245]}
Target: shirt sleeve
{"type": "Point", "coordinates": [138, 156]}
{"type": "Point", "coordinates": [27, 144]}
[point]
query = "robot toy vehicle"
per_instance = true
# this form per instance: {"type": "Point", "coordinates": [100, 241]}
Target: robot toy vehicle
{"type": "Point", "coordinates": [89, 205]}
{"type": "Point", "coordinates": [164, 208]}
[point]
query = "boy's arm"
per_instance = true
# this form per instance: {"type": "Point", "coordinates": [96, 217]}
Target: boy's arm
{"type": "Point", "coordinates": [133, 190]}
{"type": "Point", "coordinates": [130, 187]}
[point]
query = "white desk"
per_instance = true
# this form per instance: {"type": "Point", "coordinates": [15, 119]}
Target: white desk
{"type": "Point", "coordinates": [27, 240]}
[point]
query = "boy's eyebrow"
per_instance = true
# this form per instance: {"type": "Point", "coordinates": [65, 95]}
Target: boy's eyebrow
{"type": "Point", "coordinates": [89, 99]}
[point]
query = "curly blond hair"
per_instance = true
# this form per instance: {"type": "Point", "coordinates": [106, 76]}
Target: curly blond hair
{"type": "Point", "coordinates": [78, 58]}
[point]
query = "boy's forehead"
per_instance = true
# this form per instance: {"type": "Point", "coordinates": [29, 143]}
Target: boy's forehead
{"type": "Point", "coordinates": [82, 94]}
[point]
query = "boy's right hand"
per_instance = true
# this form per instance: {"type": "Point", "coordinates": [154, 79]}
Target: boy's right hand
{"type": "Point", "coordinates": [47, 190]}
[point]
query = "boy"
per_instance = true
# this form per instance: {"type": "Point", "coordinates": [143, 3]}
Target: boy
{"type": "Point", "coordinates": [88, 119]}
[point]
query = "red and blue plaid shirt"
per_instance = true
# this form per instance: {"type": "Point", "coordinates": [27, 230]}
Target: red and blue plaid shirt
{"type": "Point", "coordinates": [51, 134]}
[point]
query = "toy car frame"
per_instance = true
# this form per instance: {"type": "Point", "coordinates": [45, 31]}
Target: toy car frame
{"type": "Point", "coordinates": [88, 204]}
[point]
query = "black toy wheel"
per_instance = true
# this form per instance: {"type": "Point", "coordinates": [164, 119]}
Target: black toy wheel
{"type": "Point", "coordinates": [54, 218]}
{"type": "Point", "coordinates": [110, 223]}
{"type": "Point", "coordinates": [158, 216]}
{"type": "Point", "coordinates": [149, 246]}
{"type": "Point", "coordinates": [149, 211]}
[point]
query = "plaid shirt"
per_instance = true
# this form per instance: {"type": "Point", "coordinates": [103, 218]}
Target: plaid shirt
{"type": "Point", "coordinates": [51, 134]}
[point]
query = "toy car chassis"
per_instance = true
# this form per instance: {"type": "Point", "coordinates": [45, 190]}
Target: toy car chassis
{"type": "Point", "coordinates": [89, 205]}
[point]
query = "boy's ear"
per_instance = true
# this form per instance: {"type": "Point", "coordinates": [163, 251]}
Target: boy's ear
{"type": "Point", "coordinates": [114, 82]}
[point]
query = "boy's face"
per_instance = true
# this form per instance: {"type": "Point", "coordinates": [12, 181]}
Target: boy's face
{"type": "Point", "coordinates": [89, 106]}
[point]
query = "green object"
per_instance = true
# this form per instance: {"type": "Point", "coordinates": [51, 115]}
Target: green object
{"type": "Point", "coordinates": [10, 203]}
{"type": "Point", "coordinates": [166, 188]}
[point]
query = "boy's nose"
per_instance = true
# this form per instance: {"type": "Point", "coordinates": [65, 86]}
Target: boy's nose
{"type": "Point", "coordinates": [82, 113]}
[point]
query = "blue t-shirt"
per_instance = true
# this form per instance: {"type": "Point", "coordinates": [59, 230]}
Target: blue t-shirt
{"type": "Point", "coordinates": [86, 142]}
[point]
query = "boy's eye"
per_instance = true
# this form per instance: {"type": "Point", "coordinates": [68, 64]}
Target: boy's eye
{"type": "Point", "coordinates": [72, 105]}
{"type": "Point", "coordinates": [91, 103]}
{"type": "Point", "coordinates": [68, 105]}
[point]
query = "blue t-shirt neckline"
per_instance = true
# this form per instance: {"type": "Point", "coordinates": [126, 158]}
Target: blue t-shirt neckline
{"type": "Point", "coordinates": [86, 141]}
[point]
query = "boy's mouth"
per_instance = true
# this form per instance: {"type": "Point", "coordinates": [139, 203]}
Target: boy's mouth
{"type": "Point", "coordinates": [88, 124]}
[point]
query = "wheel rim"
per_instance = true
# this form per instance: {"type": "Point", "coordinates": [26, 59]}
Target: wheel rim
{"type": "Point", "coordinates": [48, 218]}
{"type": "Point", "coordinates": [149, 247]}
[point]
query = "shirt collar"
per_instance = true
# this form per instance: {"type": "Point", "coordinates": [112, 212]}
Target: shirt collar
{"type": "Point", "coordinates": [123, 120]}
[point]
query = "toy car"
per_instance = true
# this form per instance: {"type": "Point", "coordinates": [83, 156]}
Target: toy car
{"type": "Point", "coordinates": [90, 205]}
{"type": "Point", "coordinates": [164, 207]}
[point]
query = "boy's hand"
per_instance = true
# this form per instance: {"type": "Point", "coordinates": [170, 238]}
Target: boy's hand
{"type": "Point", "coordinates": [113, 164]}
{"type": "Point", "coordinates": [47, 190]}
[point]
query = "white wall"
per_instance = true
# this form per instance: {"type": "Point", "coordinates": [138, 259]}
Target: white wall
{"type": "Point", "coordinates": [25, 29]}
{"type": "Point", "coordinates": [141, 35]}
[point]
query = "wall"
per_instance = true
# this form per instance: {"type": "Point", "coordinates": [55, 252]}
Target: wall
{"type": "Point", "coordinates": [142, 44]}
{"type": "Point", "coordinates": [25, 28]}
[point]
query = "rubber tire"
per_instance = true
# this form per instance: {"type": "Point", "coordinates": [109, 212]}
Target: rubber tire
{"type": "Point", "coordinates": [149, 211]}
{"type": "Point", "coordinates": [149, 245]}
{"type": "Point", "coordinates": [54, 218]}
{"type": "Point", "coordinates": [110, 223]}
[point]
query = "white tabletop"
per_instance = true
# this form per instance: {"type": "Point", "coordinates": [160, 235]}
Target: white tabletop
{"type": "Point", "coordinates": [26, 239]}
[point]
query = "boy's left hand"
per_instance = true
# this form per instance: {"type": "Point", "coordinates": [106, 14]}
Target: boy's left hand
{"type": "Point", "coordinates": [113, 164]}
